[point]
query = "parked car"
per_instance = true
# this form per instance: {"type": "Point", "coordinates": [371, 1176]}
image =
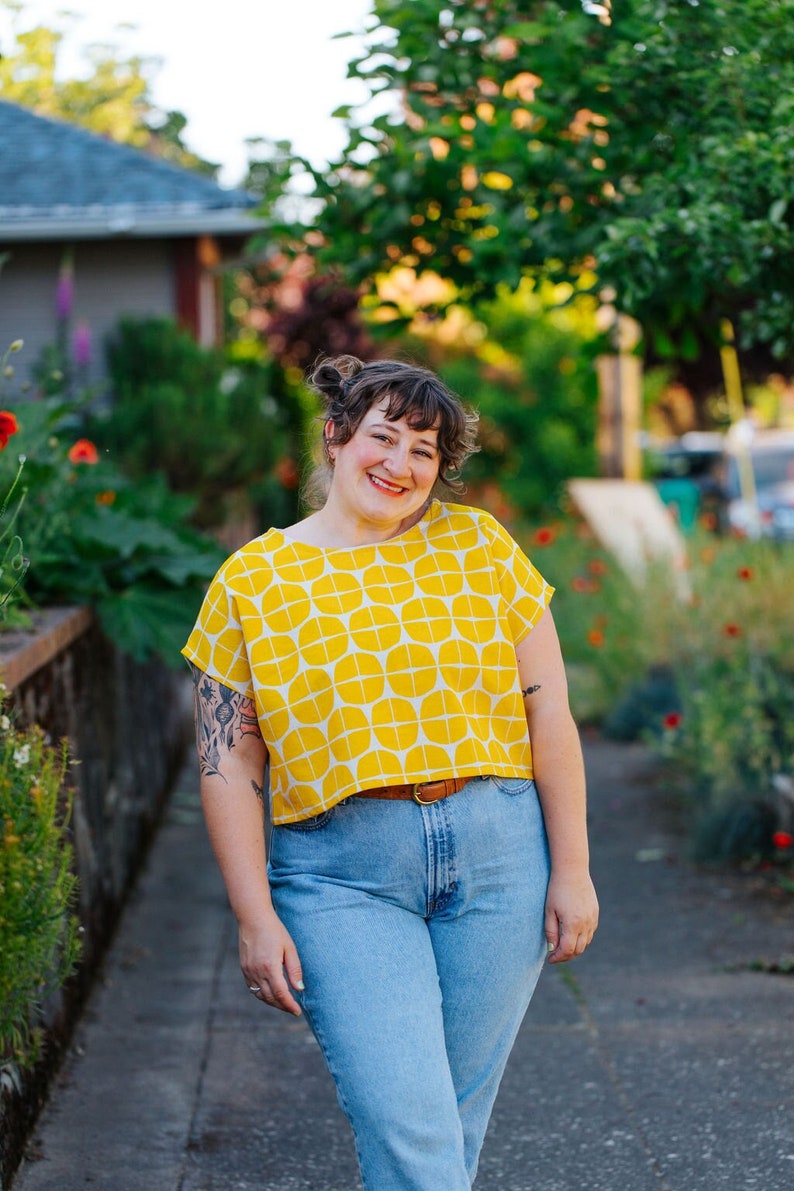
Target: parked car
{"type": "Point", "coordinates": [768, 456]}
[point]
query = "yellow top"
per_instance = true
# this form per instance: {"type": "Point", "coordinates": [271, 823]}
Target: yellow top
{"type": "Point", "coordinates": [377, 664]}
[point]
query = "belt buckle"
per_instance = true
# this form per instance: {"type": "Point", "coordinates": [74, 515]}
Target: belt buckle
{"type": "Point", "coordinates": [425, 801]}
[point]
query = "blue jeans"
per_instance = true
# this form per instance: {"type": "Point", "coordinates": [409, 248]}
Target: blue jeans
{"type": "Point", "coordinates": [420, 932]}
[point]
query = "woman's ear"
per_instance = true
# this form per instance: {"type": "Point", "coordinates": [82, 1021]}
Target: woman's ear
{"type": "Point", "coordinates": [328, 433]}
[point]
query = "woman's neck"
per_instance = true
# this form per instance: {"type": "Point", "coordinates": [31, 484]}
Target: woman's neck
{"type": "Point", "coordinates": [326, 529]}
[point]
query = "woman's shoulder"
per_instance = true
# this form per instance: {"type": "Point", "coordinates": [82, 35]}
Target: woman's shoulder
{"type": "Point", "coordinates": [255, 555]}
{"type": "Point", "coordinates": [453, 518]}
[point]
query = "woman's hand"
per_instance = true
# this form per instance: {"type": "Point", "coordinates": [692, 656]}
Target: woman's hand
{"type": "Point", "coordinates": [571, 916]}
{"type": "Point", "coordinates": [270, 962]}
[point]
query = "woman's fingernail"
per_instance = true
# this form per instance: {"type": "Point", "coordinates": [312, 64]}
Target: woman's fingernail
{"type": "Point", "coordinates": [300, 985]}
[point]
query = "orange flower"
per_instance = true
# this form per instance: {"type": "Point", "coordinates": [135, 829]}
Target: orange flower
{"type": "Point", "coordinates": [731, 630]}
{"type": "Point", "coordinates": [543, 536]}
{"type": "Point", "coordinates": [106, 498]}
{"type": "Point", "coordinates": [596, 638]}
{"type": "Point", "coordinates": [8, 426]}
{"type": "Point", "coordinates": [745, 572]}
{"type": "Point", "coordinates": [83, 451]}
{"type": "Point", "coordinates": [597, 566]}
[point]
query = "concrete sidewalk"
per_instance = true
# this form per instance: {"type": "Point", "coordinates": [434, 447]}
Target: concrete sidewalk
{"type": "Point", "coordinates": [658, 1062]}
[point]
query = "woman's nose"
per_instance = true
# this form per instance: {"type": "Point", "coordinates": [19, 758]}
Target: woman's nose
{"type": "Point", "coordinates": [396, 461]}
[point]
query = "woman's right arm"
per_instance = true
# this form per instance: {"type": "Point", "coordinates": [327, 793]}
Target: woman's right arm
{"type": "Point", "coordinates": [232, 756]}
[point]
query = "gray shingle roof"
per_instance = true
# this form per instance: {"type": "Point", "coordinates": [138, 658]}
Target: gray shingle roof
{"type": "Point", "coordinates": [57, 173]}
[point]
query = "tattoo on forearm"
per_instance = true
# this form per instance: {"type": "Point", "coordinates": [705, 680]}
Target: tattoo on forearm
{"type": "Point", "coordinates": [259, 791]}
{"type": "Point", "coordinates": [530, 690]}
{"type": "Point", "coordinates": [222, 717]}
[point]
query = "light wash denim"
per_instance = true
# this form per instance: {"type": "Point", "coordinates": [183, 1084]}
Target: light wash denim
{"type": "Point", "coordinates": [420, 931]}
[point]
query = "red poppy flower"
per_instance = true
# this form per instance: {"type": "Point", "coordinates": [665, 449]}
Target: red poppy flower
{"type": "Point", "coordinates": [596, 638]}
{"type": "Point", "coordinates": [597, 566]}
{"type": "Point", "coordinates": [8, 426]}
{"type": "Point", "coordinates": [732, 630]}
{"type": "Point", "coordinates": [543, 536]}
{"type": "Point", "coordinates": [106, 498]}
{"type": "Point", "coordinates": [83, 451]}
{"type": "Point", "coordinates": [783, 839]}
{"type": "Point", "coordinates": [286, 472]}
{"type": "Point", "coordinates": [672, 720]}
{"type": "Point", "coordinates": [745, 572]}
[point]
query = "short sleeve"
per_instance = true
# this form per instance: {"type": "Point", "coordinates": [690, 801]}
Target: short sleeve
{"type": "Point", "coordinates": [525, 591]}
{"type": "Point", "coordinates": [217, 644]}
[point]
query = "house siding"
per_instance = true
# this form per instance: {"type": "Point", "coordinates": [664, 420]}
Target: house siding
{"type": "Point", "coordinates": [111, 279]}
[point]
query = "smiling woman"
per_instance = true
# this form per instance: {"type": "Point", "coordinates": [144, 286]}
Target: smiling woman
{"type": "Point", "coordinates": [409, 692]}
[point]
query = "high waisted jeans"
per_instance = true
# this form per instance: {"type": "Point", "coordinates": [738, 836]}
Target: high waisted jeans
{"type": "Point", "coordinates": [420, 931]}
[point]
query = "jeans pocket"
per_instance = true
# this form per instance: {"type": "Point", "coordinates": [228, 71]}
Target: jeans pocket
{"type": "Point", "coordinates": [315, 823]}
{"type": "Point", "coordinates": [513, 785]}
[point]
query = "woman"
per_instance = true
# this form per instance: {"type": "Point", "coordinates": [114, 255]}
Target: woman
{"type": "Point", "coordinates": [393, 659]}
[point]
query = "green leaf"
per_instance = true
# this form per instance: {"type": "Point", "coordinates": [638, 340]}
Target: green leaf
{"type": "Point", "coordinates": [145, 622]}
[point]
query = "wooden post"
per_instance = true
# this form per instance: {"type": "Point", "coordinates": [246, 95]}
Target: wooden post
{"type": "Point", "coordinates": [620, 400]}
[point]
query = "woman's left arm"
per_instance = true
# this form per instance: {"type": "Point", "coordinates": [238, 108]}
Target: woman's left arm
{"type": "Point", "coordinates": [571, 903]}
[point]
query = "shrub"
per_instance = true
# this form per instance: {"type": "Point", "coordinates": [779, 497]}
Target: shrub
{"type": "Point", "coordinates": [206, 424]}
{"type": "Point", "coordinates": [95, 536]}
{"type": "Point", "coordinates": [38, 932]}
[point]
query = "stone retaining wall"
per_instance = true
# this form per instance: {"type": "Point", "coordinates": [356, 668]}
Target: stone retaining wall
{"type": "Point", "coordinates": [128, 724]}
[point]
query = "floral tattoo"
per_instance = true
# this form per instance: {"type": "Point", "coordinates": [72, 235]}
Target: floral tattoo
{"type": "Point", "coordinates": [222, 717]}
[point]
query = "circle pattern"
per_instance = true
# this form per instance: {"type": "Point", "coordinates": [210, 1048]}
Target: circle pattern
{"type": "Point", "coordinates": [384, 663]}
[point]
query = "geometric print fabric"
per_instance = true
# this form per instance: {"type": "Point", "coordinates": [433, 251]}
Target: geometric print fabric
{"type": "Point", "coordinates": [377, 664]}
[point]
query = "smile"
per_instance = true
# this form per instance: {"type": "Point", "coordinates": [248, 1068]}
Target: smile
{"type": "Point", "coordinates": [385, 486]}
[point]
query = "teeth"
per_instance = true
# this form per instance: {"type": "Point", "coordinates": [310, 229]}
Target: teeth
{"type": "Point", "coordinates": [387, 487]}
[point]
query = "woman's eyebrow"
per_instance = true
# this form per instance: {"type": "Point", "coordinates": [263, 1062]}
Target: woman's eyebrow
{"type": "Point", "coordinates": [387, 425]}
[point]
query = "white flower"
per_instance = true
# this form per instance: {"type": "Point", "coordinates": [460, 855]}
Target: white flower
{"type": "Point", "coordinates": [22, 755]}
{"type": "Point", "coordinates": [5, 723]}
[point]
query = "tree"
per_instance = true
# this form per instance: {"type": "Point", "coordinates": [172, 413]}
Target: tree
{"type": "Point", "coordinates": [113, 98]}
{"type": "Point", "coordinates": [545, 139]}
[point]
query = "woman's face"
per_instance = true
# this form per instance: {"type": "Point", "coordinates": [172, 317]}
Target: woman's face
{"type": "Point", "coordinates": [385, 473]}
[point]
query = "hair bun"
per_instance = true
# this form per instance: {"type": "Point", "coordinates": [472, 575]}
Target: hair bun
{"type": "Point", "coordinates": [329, 376]}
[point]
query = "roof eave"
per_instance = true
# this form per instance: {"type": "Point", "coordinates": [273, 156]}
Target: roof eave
{"type": "Point", "coordinates": [130, 225]}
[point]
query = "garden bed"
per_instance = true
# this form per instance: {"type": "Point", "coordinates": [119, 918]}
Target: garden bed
{"type": "Point", "coordinates": [127, 726]}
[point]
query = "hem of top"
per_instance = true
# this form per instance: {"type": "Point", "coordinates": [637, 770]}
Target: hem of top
{"type": "Point", "coordinates": [550, 590]}
{"type": "Point", "coordinates": [493, 771]}
{"type": "Point", "coordinates": [246, 692]}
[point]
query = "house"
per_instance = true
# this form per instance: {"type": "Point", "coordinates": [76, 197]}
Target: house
{"type": "Point", "coordinates": [91, 230]}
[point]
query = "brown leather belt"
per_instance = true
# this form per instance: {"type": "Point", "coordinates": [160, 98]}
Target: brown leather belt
{"type": "Point", "coordinates": [424, 793]}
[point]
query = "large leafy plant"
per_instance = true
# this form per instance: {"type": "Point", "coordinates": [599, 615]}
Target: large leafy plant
{"type": "Point", "coordinates": [93, 535]}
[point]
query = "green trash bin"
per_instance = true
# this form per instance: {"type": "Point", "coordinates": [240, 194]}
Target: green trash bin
{"type": "Point", "coordinates": [682, 497]}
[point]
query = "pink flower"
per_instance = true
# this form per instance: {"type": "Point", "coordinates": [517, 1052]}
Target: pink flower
{"type": "Point", "coordinates": [82, 345]}
{"type": "Point", "coordinates": [64, 293]}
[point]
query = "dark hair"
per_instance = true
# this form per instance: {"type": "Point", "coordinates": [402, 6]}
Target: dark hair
{"type": "Point", "coordinates": [349, 388]}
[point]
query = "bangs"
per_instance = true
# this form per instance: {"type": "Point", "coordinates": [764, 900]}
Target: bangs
{"type": "Point", "coordinates": [418, 404]}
